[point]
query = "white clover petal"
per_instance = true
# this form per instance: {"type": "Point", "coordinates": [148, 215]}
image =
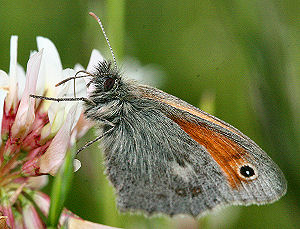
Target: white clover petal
{"type": "Point", "coordinates": [78, 67]}
{"type": "Point", "coordinates": [80, 86]}
{"type": "Point", "coordinates": [58, 111]}
{"type": "Point", "coordinates": [12, 98]}
{"type": "Point", "coordinates": [81, 89]}
{"type": "Point", "coordinates": [13, 57]}
{"type": "Point", "coordinates": [25, 114]}
{"type": "Point", "coordinates": [46, 131]}
{"type": "Point", "coordinates": [51, 66]}
{"type": "Point", "coordinates": [68, 87]}
{"type": "Point", "coordinates": [55, 154]}
{"type": "Point", "coordinates": [21, 79]}
{"type": "Point", "coordinates": [4, 81]}
{"type": "Point", "coordinates": [96, 57]}
{"type": "Point", "coordinates": [76, 115]}
{"type": "Point", "coordinates": [56, 114]}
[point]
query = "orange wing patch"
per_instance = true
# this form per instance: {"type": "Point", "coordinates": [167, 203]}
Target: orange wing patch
{"type": "Point", "coordinates": [224, 151]}
{"type": "Point", "coordinates": [197, 113]}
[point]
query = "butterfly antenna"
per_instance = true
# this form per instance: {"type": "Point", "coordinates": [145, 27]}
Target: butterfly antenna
{"type": "Point", "coordinates": [106, 38]}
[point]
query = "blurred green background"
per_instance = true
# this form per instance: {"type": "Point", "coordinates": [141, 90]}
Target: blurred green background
{"type": "Point", "coordinates": [238, 59]}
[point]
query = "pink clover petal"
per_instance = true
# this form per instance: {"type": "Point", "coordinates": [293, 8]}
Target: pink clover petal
{"type": "Point", "coordinates": [31, 217]}
{"type": "Point", "coordinates": [15, 195]}
{"type": "Point", "coordinates": [37, 182]}
{"type": "Point", "coordinates": [81, 128]}
{"type": "Point", "coordinates": [25, 115]}
{"type": "Point", "coordinates": [55, 154]}
{"type": "Point", "coordinates": [2, 98]}
{"type": "Point", "coordinates": [31, 168]}
{"type": "Point", "coordinates": [19, 222]}
{"type": "Point", "coordinates": [43, 201]}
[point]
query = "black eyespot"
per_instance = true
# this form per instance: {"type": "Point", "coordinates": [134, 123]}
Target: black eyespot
{"type": "Point", "coordinates": [108, 84]}
{"type": "Point", "coordinates": [247, 171]}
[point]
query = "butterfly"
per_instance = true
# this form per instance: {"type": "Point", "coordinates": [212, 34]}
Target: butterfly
{"type": "Point", "coordinates": [163, 155]}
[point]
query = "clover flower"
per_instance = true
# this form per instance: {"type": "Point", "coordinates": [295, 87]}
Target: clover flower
{"type": "Point", "coordinates": [35, 135]}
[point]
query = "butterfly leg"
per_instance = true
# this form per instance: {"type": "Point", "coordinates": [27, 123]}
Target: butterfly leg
{"type": "Point", "coordinates": [93, 141]}
{"type": "Point", "coordinates": [74, 78]}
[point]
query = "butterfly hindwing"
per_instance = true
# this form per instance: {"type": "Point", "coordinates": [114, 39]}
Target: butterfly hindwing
{"type": "Point", "coordinates": [170, 160]}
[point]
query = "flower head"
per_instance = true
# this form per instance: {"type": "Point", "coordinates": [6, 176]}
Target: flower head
{"type": "Point", "coordinates": [35, 134]}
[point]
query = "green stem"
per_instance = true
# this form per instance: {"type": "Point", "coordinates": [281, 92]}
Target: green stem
{"type": "Point", "coordinates": [60, 189]}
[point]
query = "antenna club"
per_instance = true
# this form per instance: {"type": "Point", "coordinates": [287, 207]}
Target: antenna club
{"type": "Point", "coordinates": [93, 15]}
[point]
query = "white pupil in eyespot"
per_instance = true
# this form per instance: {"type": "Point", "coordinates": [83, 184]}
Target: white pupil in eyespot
{"type": "Point", "coordinates": [247, 171]}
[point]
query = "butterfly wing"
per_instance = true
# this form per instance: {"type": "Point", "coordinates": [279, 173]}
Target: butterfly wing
{"type": "Point", "coordinates": [167, 156]}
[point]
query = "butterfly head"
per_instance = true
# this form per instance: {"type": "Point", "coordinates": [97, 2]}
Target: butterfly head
{"type": "Point", "coordinates": [106, 79]}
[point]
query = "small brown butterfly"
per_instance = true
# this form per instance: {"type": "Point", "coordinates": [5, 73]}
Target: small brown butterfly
{"type": "Point", "coordinates": [165, 155]}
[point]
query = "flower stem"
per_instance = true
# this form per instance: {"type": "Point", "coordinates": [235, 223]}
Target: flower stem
{"type": "Point", "coordinates": [60, 189]}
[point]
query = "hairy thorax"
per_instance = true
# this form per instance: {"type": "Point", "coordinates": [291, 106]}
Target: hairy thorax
{"type": "Point", "coordinates": [108, 108]}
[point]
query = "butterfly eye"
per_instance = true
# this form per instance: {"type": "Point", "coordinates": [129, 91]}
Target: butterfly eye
{"type": "Point", "coordinates": [108, 84]}
{"type": "Point", "coordinates": [248, 172]}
